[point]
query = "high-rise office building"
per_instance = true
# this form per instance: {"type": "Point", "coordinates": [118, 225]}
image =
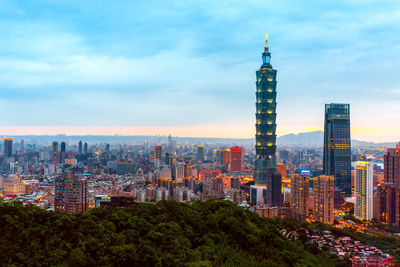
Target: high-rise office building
{"type": "Point", "coordinates": [71, 193]}
{"type": "Point", "coordinates": [363, 190]}
{"type": "Point", "coordinates": [392, 166]}
{"type": "Point", "coordinates": [80, 148]}
{"type": "Point", "coordinates": [337, 149]}
{"type": "Point", "coordinates": [54, 147]}
{"type": "Point", "coordinates": [323, 198]}
{"type": "Point", "coordinates": [265, 171]}
{"type": "Point", "coordinates": [200, 153]}
{"type": "Point", "coordinates": [236, 159]}
{"type": "Point", "coordinates": [63, 147]}
{"type": "Point", "coordinates": [299, 196]}
{"type": "Point", "coordinates": [85, 148]}
{"type": "Point", "coordinates": [8, 146]}
{"type": "Point", "coordinates": [157, 153]}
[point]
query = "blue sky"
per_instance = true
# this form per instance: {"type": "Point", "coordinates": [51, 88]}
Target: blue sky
{"type": "Point", "coordinates": [134, 67]}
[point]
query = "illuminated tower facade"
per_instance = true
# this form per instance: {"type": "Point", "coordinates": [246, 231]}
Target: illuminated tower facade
{"type": "Point", "coordinates": [337, 150]}
{"type": "Point", "coordinates": [265, 172]}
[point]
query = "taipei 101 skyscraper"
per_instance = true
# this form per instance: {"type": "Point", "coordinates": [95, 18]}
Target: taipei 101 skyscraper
{"type": "Point", "coordinates": [266, 176]}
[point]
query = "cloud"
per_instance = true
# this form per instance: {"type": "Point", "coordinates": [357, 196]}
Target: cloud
{"type": "Point", "coordinates": [192, 63]}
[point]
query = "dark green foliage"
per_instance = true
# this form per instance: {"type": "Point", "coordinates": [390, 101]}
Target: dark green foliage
{"type": "Point", "coordinates": [210, 233]}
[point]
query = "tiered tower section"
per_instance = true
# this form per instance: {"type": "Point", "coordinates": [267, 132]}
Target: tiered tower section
{"type": "Point", "coordinates": [265, 120]}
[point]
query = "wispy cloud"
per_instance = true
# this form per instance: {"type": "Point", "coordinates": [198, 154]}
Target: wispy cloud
{"type": "Point", "coordinates": [190, 63]}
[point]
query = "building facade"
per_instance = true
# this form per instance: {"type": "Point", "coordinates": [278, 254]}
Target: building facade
{"type": "Point", "coordinates": [299, 196]}
{"type": "Point", "coordinates": [323, 198]}
{"type": "Point", "coordinates": [157, 153]}
{"type": "Point", "coordinates": [388, 204]}
{"type": "Point", "coordinates": [392, 165]}
{"type": "Point", "coordinates": [200, 153]}
{"type": "Point", "coordinates": [363, 190]}
{"type": "Point", "coordinates": [337, 147]}
{"type": "Point", "coordinates": [236, 159]}
{"type": "Point", "coordinates": [8, 146]}
{"type": "Point", "coordinates": [71, 193]}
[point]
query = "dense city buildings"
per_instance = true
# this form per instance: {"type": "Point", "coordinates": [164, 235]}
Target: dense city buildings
{"type": "Point", "coordinates": [323, 198]}
{"type": "Point", "coordinates": [265, 171]}
{"type": "Point", "coordinates": [363, 191]}
{"type": "Point", "coordinates": [337, 148]}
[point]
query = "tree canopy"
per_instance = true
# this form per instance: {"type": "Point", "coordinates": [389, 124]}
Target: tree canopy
{"type": "Point", "coordinates": [168, 233]}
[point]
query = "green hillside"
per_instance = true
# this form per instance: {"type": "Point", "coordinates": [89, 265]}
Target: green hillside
{"type": "Point", "coordinates": [210, 233]}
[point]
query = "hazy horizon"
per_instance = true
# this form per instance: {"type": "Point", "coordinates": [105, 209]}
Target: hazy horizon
{"type": "Point", "coordinates": [136, 134]}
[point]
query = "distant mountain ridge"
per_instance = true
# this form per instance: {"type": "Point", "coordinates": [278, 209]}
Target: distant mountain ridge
{"type": "Point", "coordinates": [307, 138]}
{"type": "Point", "coordinates": [316, 138]}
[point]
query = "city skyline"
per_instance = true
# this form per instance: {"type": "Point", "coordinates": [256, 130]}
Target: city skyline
{"type": "Point", "coordinates": [85, 71]}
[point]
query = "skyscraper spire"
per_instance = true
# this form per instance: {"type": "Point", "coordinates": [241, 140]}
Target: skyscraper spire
{"type": "Point", "coordinates": [266, 56]}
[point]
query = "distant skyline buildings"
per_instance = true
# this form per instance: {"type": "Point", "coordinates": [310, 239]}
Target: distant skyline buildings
{"type": "Point", "coordinates": [8, 142]}
{"type": "Point", "coordinates": [236, 159]}
{"type": "Point", "coordinates": [240, 131]}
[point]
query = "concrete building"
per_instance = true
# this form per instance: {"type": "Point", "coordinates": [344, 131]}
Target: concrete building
{"type": "Point", "coordinates": [323, 198]}
{"type": "Point", "coordinates": [299, 196]}
{"type": "Point", "coordinates": [363, 208]}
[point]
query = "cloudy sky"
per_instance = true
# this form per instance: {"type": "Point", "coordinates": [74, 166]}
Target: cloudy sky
{"type": "Point", "coordinates": [188, 67]}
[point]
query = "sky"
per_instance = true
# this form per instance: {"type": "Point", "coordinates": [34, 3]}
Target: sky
{"type": "Point", "coordinates": [187, 68]}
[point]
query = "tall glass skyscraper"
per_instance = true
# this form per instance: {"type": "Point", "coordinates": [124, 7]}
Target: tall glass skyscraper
{"type": "Point", "coordinates": [337, 149]}
{"type": "Point", "coordinates": [265, 173]}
